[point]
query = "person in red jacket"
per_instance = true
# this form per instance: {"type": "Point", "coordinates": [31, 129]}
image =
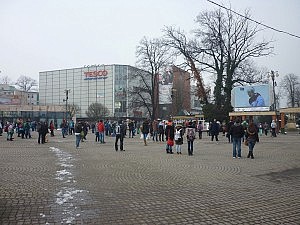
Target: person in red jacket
{"type": "Point", "coordinates": [101, 129]}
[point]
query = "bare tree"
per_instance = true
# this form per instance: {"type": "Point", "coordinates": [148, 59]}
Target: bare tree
{"type": "Point", "coordinates": [228, 40]}
{"type": "Point", "coordinates": [26, 83]}
{"type": "Point", "coordinates": [96, 111]}
{"type": "Point", "coordinates": [249, 73]}
{"type": "Point", "coordinates": [177, 39]}
{"type": "Point", "coordinates": [5, 80]}
{"type": "Point", "coordinates": [222, 44]}
{"type": "Point", "coordinates": [153, 57]}
{"type": "Point", "coordinates": [291, 88]}
{"type": "Point", "coordinates": [297, 96]}
{"type": "Point", "coordinates": [72, 109]}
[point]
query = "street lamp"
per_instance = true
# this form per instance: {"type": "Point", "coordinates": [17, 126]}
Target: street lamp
{"type": "Point", "coordinates": [67, 91]}
{"type": "Point", "coordinates": [174, 101]}
{"type": "Point", "coordinates": [273, 74]}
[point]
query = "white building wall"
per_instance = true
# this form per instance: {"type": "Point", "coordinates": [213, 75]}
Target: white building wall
{"type": "Point", "coordinates": [105, 84]}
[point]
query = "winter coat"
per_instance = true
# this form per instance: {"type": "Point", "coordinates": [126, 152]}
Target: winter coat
{"type": "Point", "coordinates": [215, 128]}
{"type": "Point", "coordinates": [237, 130]}
{"type": "Point", "coordinates": [145, 127]}
{"type": "Point", "coordinates": [169, 131]}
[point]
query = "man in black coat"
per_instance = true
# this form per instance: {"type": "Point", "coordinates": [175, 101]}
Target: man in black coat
{"type": "Point", "coordinates": [120, 133]}
{"type": "Point", "coordinates": [237, 132]}
{"type": "Point", "coordinates": [215, 129]}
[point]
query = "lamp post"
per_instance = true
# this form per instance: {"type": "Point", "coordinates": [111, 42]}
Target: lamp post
{"type": "Point", "coordinates": [174, 101]}
{"type": "Point", "coordinates": [273, 74]}
{"type": "Point", "coordinates": [67, 91]}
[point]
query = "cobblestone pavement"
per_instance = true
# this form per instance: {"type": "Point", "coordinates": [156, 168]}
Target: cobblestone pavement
{"type": "Point", "coordinates": [55, 183]}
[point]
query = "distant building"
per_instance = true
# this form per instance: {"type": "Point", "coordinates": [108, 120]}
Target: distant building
{"type": "Point", "coordinates": [174, 93]}
{"type": "Point", "coordinates": [15, 104]}
{"type": "Point", "coordinates": [105, 84]}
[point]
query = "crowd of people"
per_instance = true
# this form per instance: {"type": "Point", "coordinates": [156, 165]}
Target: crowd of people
{"type": "Point", "coordinates": [172, 133]}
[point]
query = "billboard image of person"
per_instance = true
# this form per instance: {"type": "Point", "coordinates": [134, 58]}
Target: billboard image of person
{"type": "Point", "coordinates": [255, 99]}
{"type": "Point", "coordinates": [251, 98]}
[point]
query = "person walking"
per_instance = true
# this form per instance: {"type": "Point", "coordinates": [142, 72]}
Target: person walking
{"type": "Point", "coordinates": [39, 130]}
{"type": "Point", "coordinates": [64, 128]}
{"type": "Point", "coordinates": [200, 129]}
{"type": "Point", "coordinates": [97, 132]}
{"type": "Point", "coordinates": [266, 128]}
{"type": "Point", "coordinates": [101, 129]}
{"type": "Point", "coordinates": [215, 129]}
{"type": "Point", "coordinates": [169, 136]}
{"type": "Point", "coordinates": [44, 131]}
{"type": "Point", "coordinates": [273, 128]}
{"type": "Point", "coordinates": [145, 131]}
{"type": "Point", "coordinates": [260, 129]}
{"type": "Point", "coordinates": [178, 138]}
{"type": "Point", "coordinates": [237, 133]}
{"type": "Point", "coordinates": [10, 131]}
{"type": "Point", "coordinates": [161, 130]}
{"type": "Point", "coordinates": [71, 127]}
{"type": "Point", "coordinates": [251, 138]}
{"type": "Point", "coordinates": [131, 129]}
{"type": "Point", "coordinates": [51, 127]}
{"type": "Point", "coordinates": [27, 129]}
{"type": "Point", "coordinates": [78, 130]}
{"type": "Point", "coordinates": [190, 136]}
{"type": "Point", "coordinates": [120, 133]}
{"type": "Point", "coordinates": [155, 130]}
{"type": "Point", "coordinates": [229, 125]}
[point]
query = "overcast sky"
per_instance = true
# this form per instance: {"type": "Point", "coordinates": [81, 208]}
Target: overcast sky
{"type": "Point", "coordinates": [40, 35]}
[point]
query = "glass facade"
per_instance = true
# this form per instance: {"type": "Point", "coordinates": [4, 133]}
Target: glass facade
{"type": "Point", "coordinates": [105, 84]}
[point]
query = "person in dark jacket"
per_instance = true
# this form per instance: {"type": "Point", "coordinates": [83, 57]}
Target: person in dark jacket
{"type": "Point", "coordinates": [237, 132]}
{"type": "Point", "coordinates": [161, 130]}
{"type": "Point", "coordinates": [252, 138]}
{"type": "Point", "coordinates": [78, 130]}
{"type": "Point", "coordinates": [190, 136]}
{"type": "Point", "coordinates": [44, 131]}
{"type": "Point", "coordinates": [215, 129]}
{"type": "Point", "coordinates": [38, 129]}
{"type": "Point", "coordinates": [229, 125]}
{"type": "Point", "coordinates": [145, 130]}
{"type": "Point", "coordinates": [169, 132]}
{"type": "Point", "coordinates": [120, 133]}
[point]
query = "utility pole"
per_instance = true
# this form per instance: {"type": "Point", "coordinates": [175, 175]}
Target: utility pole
{"type": "Point", "coordinates": [67, 91]}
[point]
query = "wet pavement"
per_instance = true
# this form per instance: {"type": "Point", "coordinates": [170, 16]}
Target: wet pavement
{"type": "Point", "coordinates": [55, 183]}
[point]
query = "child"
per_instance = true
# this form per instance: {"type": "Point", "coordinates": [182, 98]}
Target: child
{"type": "Point", "coordinates": [178, 138]}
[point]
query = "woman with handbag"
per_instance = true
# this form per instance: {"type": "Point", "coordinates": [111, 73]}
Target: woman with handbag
{"type": "Point", "coordinates": [169, 131]}
{"type": "Point", "coordinates": [252, 138]}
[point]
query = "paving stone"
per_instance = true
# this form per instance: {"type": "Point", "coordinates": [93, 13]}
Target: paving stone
{"type": "Point", "coordinates": [55, 183]}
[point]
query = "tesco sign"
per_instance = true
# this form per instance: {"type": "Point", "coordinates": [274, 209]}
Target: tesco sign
{"type": "Point", "coordinates": [94, 75]}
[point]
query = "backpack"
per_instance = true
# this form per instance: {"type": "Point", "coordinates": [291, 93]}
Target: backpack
{"type": "Point", "coordinates": [118, 129]}
{"type": "Point", "coordinates": [6, 128]}
{"type": "Point", "coordinates": [177, 134]}
{"type": "Point", "coordinates": [191, 134]}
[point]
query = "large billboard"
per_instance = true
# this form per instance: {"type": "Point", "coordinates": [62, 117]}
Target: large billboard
{"type": "Point", "coordinates": [9, 100]}
{"type": "Point", "coordinates": [165, 87]}
{"type": "Point", "coordinates": [251, 98]}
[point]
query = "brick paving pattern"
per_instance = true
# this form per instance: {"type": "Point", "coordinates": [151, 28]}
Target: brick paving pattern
{"type": "Point", "coordinates": [55, 183]}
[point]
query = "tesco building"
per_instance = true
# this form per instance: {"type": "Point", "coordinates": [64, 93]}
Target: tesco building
{"type": "Point", "coordinates": [105, 84]}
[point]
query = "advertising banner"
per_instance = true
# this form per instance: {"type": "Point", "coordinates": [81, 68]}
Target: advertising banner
{"type": "Point", "coordinates": [165, 87]}
{"type": "Point", "coordinates": [251, 98]}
